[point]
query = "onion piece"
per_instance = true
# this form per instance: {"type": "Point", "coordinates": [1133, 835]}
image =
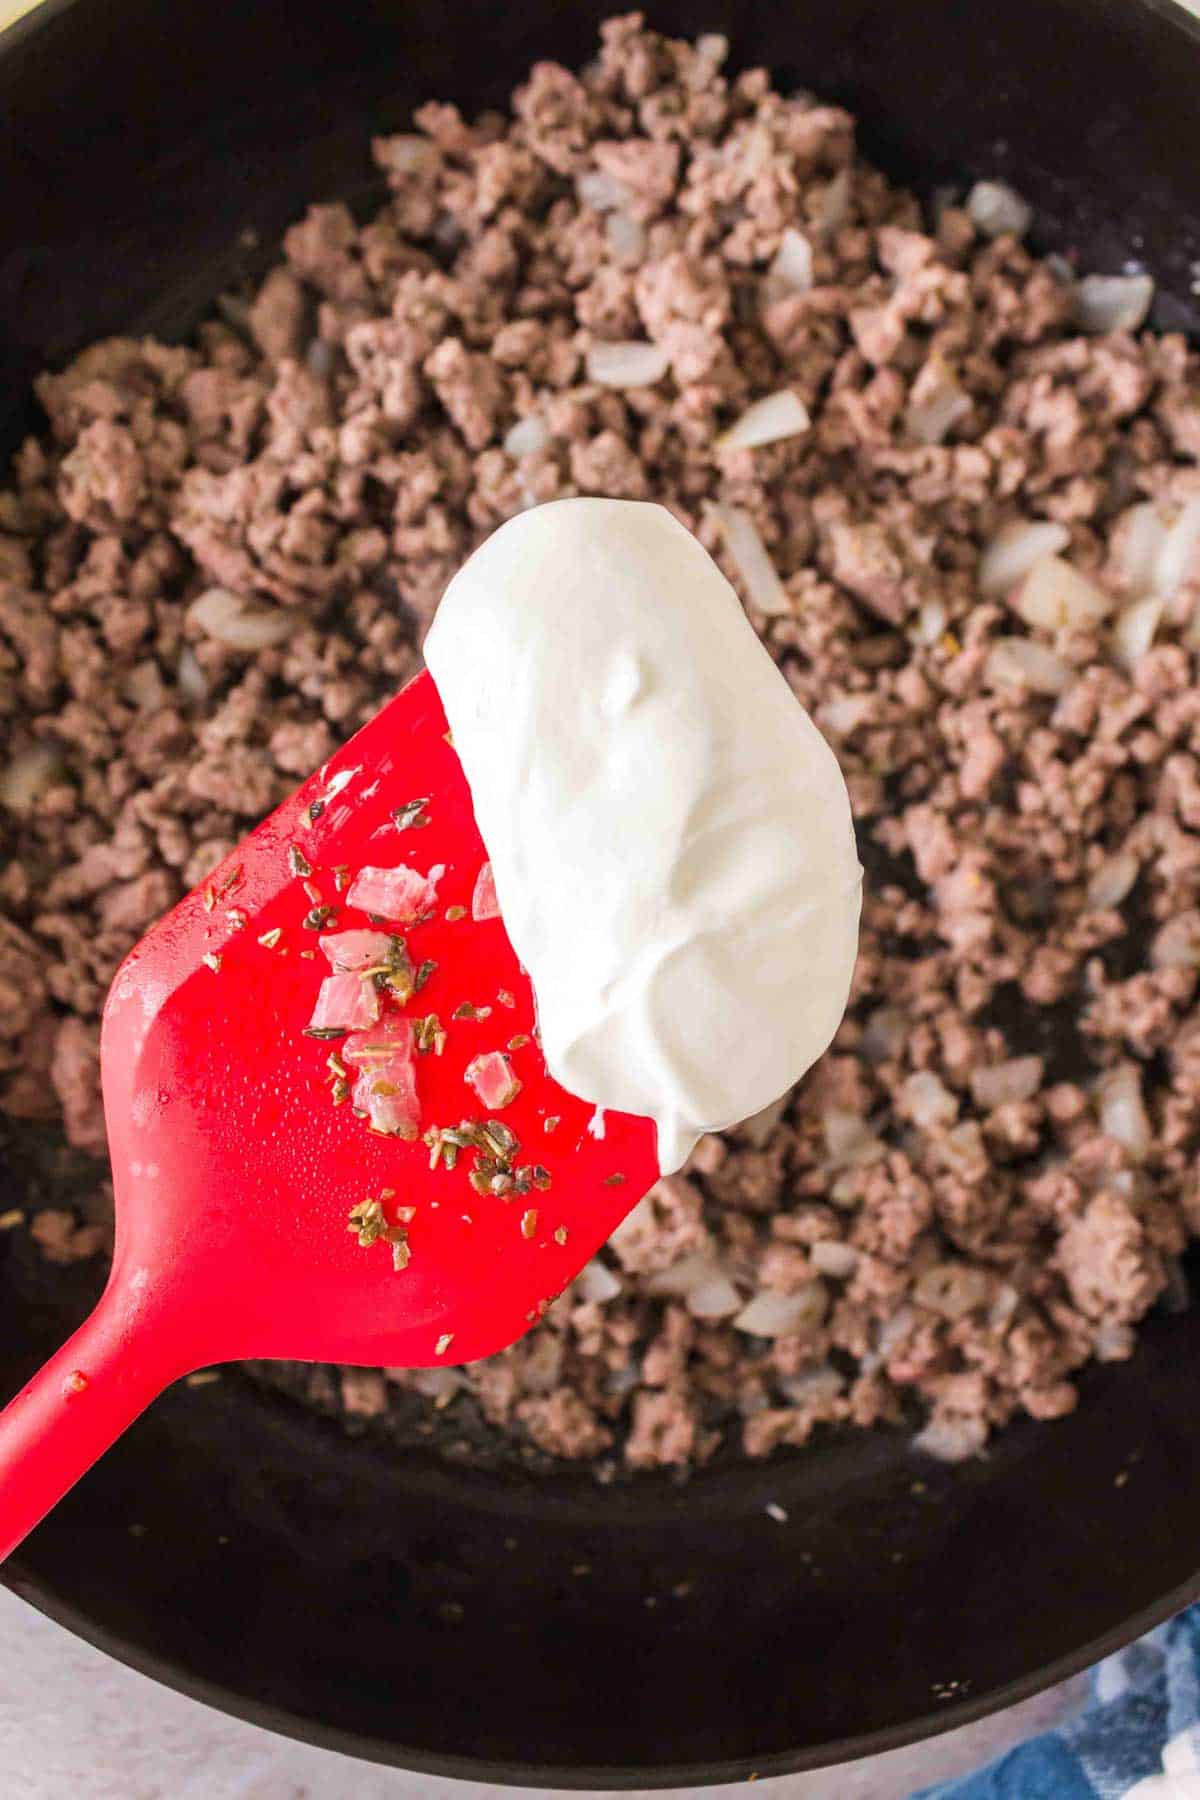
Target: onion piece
{"type": "Point", "coordinates": [930, 625]}
{"type": "Point", "coordinates": [401, 894]}
{"type": "Point", "coordinates": [791, 270]}
{"type": "Point", "coordinates": [829, 1256]}
{"type": "Point", "coordinates": [811, 1386]}
{"type": "Point", "coordinates": [1177, 943]}
{"type": "Point", "coordinates": [626, 237]}
{"type": "Point", "coordinates": [1106, 303]}
{"type": "Point", "coordinates": [1143, 535]}
{"type": "Point", "coordinates": [767, 421]}
{"type": "Point", "coordinates": [929, 418]}
{"type": "Point", "coordinates": [626, 365]}
{"type": "Point", "coordinates": [526, 437]}
{"type": "Point", "coordinates": [1054, 597]}
{"type": "Point", "coordinates": [952, 1438]}
{"type": "Point", "coordinates": [1019, 662]}
{"type": "Point", "coordinates": [1017, 1079]}
{"type": "Point", "coordinates": [764, 590]}
{"type": "Point", "coordinates": [928, 1102]}
{"type": "Point", "coordinates": [351, 952]}
{"type": "Point", "coordinates": [240, 624]}
{"type": "Point", "coordinates": [842, 714]}
{"type": "Point", "coordinates": [1134, 629]}
{"type": "Point", "coordinates": [1178, 554]}
{"type": "Point", "coordinates": [681, 1277]}
{"type": "Point", "coordinates": [386, 1089]}
{"type": "Point", "coordinates": [27, 776]}
{"type": "Point", "coordinates": [491, 1076]}
{"type": "Point", "coordinates": [1113, 881]}
{"type": "Point", "coordinates": [596, 1284]}
{"type": "Point", "coordinates": [344, 1003]}
{"type": "Point", "coordinates": [772, 1315]}
{"type": "Point", "coordinates": [484, 904]}
{"type": "Point", "coordinates": [1014, 550]}
{"type": "Point", "coordinates": [1123, 1114]}
{"type": "Point", "coordinates": [997, 209]}
{"type": "Point", "coordinates": [601, 192]}
{"type": "Point", "coordinates": [193, 683]}
{"type": "Point", "coordinates": [715, 1299]}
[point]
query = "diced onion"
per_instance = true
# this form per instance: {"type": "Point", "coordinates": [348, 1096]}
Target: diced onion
{"type": "Point", "coordinates": [952, 1438]}
{"type": "Point", "coordinates": [715, 1299]}
{"type": "Point", "coordinates": [1123, 1113]}
{"type": "Point", "coordinates": [680, 1278]}
{"type": "Point", "coordinates": [791, 270]}
{"type": "Point", "coordinates": [1015, 1080]}
{"type": "Point", "coordinates": [843, 713]}
{"type": "Point", "coordinates": [602, 192]}
{"type": "Point", "coordinates": [929, 419]}
{"type": "Point", "coordinates": [1177, 943]}
{"type": "Point", "coordinates": [1143, 537]}
{"type": "Point", "coordinates": [1178, 554]}
{"type": "Point", "coordinates": [27, 777]}
{"type": "Point", "coordinates": [193, 683]}
{"type": "Point", "coordinates": [1134, 628]}
{"type": "Point", "coordinates": [1112, 881]}
{"type": "Point", "coordinates": [811, 1386]}
{"type": "Point", "coordinates": [1019, 662]}
{"type": "Point", "coordinates": [626, 236]}
{"type": "Point", "coordinates": [526, 437]}
{"type": "Point", "coordinates": [772, 1315]}
{"type": "Point", "coordinates": [776, 416]}
{"type": "Point", "coordinates": [995, 209]}
{"type": "Point", "coordinates": [1054, 597]}
{"type": "Point", "coordinates": [831, 1257]}
{"type": "Point", "coordinates": [930, 623]}
{"type": "Point", "coordinates": [240, 624]}
{"type": "Point", "coordinates": [1014, 550]}
{"type": "Point", "coordinates": [928, 1101]}
{"type": "Point", "coordinates": [764, 590]}
{"type": "Point", "coordinates": [627, 364]}
{"type": "Point", "coordinates": [1106, 303]}
{"type": "Point", "coordinates": [596, 1284]}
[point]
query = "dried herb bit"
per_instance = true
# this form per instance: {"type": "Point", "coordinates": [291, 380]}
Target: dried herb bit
{"type": "Point", "coordinates": [325, 1031]}
{"type": "Point", "coordinates": [443, 1343]}
{"type": "Point", "coordinates": [560, 1235]}
{"type": "Point", "coordinates": [341, 877]}
{"type": "Point", "coordinates": [203, 1378]}
{"type": "Point", "coordinates": [401, 1254]}
{"type": "Point", "coordinates": [500, 1138]}
{"type": "Point", "coordinates": [467, 1011]}
{"type": "Point", "coordinates": [210, 897]}
{"type": "Point", "coordinates": [541, 1177]}
{"type": "Point", "coordinates": [617, 1180]}
{"type": "Point", "coordinates": [423, 973]}
{"type": "Point", "coordinates": [340, 1092]}
{"type": "Point", "coordinates": [337, 1067]}
{"type": "Point", "coordinates": [298, 863]}
{"type": "Point", "coordinates": [519, 1042]}
{"type": "Point", "coordinates": [504, 998]}
{"type": "Point", "coordinates": [237, 918]}
{"type": "Point", "coordinates": [411, 817]}
{"type": "Point", "coordinates": [211, 961]}
{"type": "Point", "coordinates": [233, 880]}
{"type": "Point", "coordinates": [454, 914]}
{"type": "Point", "coordinates": [314, 893]}
{"type": "Point", "coordinates": [319, 918]}
{"type": "Point", "coordinates": [395, 975]}
{"type": "Point", "coordinates": [529, 1222]}
{"type": "Point", "coordinates": [269, 939]}
{"type": "Point", "coordinates": [429, 1034]}
{"type": "Point", "coordinates": [11, 1219]}
{"type": "Point", "coordinates": [368, 1222]}
{"type": "Point", "coordinates": [312, 813]}
{"type": "Point", "coordinates": [551, 1123]}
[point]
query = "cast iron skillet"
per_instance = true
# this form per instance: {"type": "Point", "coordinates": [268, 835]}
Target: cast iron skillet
{"type": "Point", "coordinates": [248, 1554]}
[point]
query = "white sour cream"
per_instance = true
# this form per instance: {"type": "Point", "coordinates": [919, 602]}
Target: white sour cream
{"type": "Point", "coordinates": [669, 832]}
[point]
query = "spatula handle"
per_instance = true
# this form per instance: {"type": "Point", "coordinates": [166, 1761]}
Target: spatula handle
{"type": "Point", "coordinates": [80, 1402]}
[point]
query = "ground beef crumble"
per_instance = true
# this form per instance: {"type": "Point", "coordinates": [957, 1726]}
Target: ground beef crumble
{"type": "Point", "coordinates": [991, 1176]}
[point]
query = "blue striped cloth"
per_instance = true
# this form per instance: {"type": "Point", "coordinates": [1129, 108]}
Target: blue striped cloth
{"type": "Point", "coordinates": [1138, 1738]}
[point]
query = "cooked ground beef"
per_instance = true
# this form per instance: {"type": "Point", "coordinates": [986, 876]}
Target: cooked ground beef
{"type": "Point", "coordinates": [220, 558]}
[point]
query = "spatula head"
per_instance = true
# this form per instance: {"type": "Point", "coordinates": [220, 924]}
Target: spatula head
{"type": "Point", "coordinates": [237, 1151]}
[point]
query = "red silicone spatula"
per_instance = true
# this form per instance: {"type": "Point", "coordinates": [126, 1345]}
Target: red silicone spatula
{"type": "Point", "coordinates": [237, 1150]}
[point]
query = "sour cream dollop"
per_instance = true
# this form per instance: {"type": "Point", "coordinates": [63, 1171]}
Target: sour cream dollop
{"type": "Point", "coordinates": [669, 833]}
